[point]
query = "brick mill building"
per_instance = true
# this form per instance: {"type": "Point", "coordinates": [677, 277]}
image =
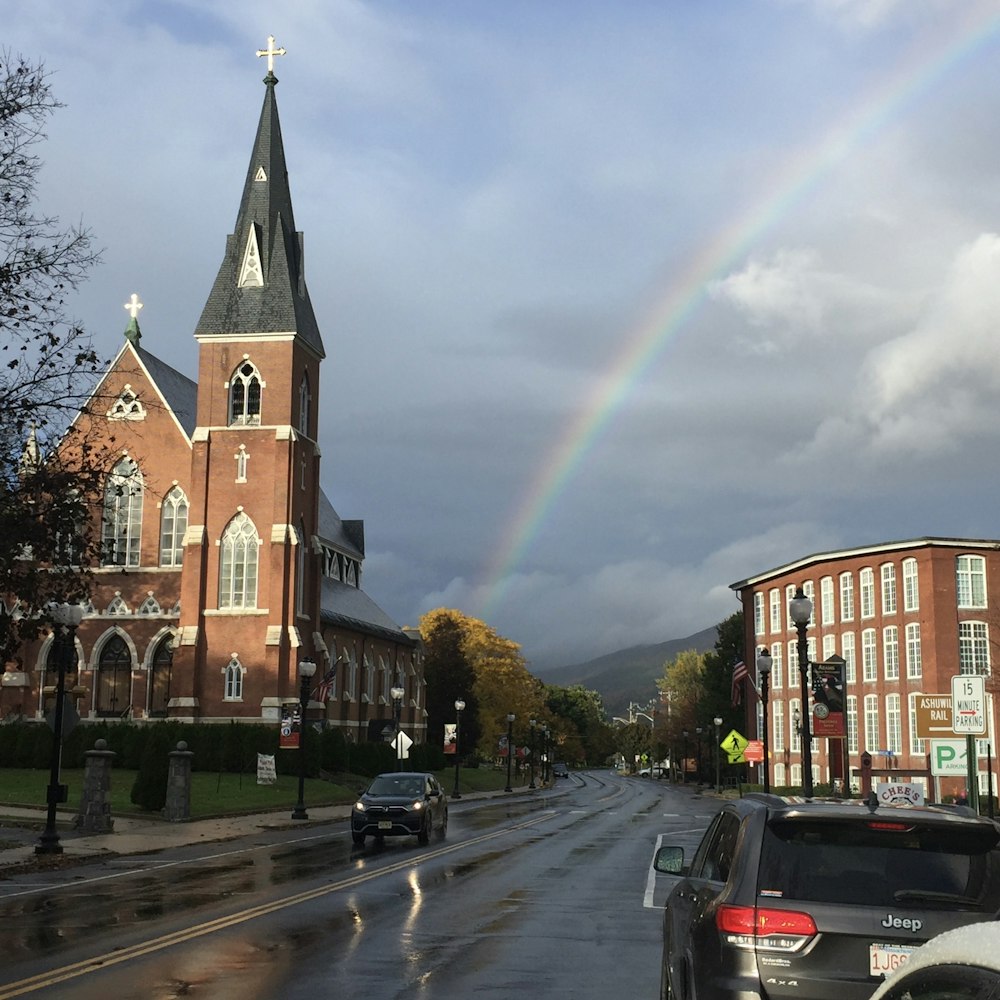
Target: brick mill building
{"type": "Point", "coordinates": [223, 563]}
{"type": "Point", "coordinates": [905, 617]}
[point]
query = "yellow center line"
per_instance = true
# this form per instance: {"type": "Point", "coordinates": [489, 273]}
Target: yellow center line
{"type": "Point", "coordinates": [120, 955]}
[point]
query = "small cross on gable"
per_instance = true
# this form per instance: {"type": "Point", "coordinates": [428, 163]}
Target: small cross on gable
{"type": "Point", "coordinates": [270, 52]}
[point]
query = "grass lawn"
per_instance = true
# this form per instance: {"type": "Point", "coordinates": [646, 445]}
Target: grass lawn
{"type": "Point", "coordinates": [213, 794]}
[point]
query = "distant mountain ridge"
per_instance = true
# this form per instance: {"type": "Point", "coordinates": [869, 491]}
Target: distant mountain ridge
{"type": "Point", "coordinates": [629, 674]}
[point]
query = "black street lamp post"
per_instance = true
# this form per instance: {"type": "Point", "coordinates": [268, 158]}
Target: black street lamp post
{"type": "Point", "coordinates": [698, 731]}
{"type": "Point", "coordinates": [459, 705]}
{"type": "Point", "coordinates": [306, 670]}
{"type": "Point", "coordinates": [531, 752]}
{"type": "Point", "coordinates": [717, 722]}
{"type": "Point", "coordinates": [510, 747]}
{"type": "Point", "coordinates": [764, 664]}
{"type": "Point", "coordinates": [397, 694]}
{"type": "Point", "coordinates": [67, 618]}
{"type": "Point", "coordinates": [801, 611]}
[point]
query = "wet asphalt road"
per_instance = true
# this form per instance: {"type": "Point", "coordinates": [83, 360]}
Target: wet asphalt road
{"type": "Point", "coordinates": [550, 895]}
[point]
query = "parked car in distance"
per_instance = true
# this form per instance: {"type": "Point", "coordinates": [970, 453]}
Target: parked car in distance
{"type": "Point", "coordinates": [400, 804]}
{"type": "Point", "coordinates": [788, 898]}
{"type": "Point", "coordinates": [961, 964]}
{"type": "Point", "coordinates": [560, 770]}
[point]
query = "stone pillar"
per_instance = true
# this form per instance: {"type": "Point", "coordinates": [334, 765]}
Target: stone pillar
{"type": "Point", "coordinates": [95, 806]}
{"type": "Point", "coordinates": [178, 807]}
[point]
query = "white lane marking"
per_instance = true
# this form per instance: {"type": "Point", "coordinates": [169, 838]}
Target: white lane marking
{"type": "Point", "coordinates": [647, 899]}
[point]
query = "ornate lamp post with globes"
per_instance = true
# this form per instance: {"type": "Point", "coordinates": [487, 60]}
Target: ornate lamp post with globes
{"type": "Point", "coordinates": [306, 670]}
{"type": "Point", "coordinates": [801, 611]}
{"type": "Point", "coordinates": [510, 747]}
{"type": "Point", "coordinates": [717, 722]}
{"type": "Point", "coordinates": [396, 694]}
{"type": "Point", "coordinates": [764, 663]}
{"type": "Point", "coordinates": [531, 752]}
{"type": "Point", "coordinates": [459, 705]}
{"type": "Point", "coordinates": [67, 618]}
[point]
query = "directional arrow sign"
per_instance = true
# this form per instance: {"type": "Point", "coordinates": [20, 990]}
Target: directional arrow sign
{"type": "Point", "coordinates": [402, 744]}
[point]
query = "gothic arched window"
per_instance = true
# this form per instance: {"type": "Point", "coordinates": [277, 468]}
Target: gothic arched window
{"type": "Point", "coordinates": [238, 564]}
{"type": "Point", "coordinates": [114, 674]}
{"type": "Point", "coordinates": [305, 403]}
{"type": "Point", "coordinates": [121, 525]}
{"type": "Point", "coordinates": [244, 394]}
{"type": "Point", "coordinates": [159, 681]}
{"type": "Point", "coordinates": [173, 525]}
{"type": "Point", "coordinates": [233, 680]}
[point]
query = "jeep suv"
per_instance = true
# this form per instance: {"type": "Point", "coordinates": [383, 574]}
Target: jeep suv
{"type": "Point", "coordinates": [788, 898]}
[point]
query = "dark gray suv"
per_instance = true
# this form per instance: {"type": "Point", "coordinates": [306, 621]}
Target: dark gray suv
{"type": "Point", "coordinates": [400, 804]}
{"type": "Point", "coordinates": [819, 899]}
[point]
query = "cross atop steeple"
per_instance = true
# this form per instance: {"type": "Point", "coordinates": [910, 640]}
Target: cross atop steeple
{"type": "Point", "coordinates": [132, 332]}
{"type": "Point", "coordinates": [133, 306]}
{"type": "Point", "coordinates": [270, 52]}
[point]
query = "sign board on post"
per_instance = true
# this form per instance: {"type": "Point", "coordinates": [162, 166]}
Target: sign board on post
{"type": "Point", "coordinates": [968, 699]}
{"type": "Point", "coordinates": [734, 744]}
{"type": "Point", "coordinates": [948, 758]}
{"type": "Point", "coordinates": [933, 716]}
{"type": "Point", "coordinates": [753, 752]}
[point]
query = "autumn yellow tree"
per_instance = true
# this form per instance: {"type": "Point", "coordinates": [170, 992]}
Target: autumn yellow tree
{"type": "Point", "coordinates": [501, 681]}
{"type": "Point", "coordinates": [681, 692]}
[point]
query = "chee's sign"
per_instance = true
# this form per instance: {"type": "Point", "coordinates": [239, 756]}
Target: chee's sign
{"type": "Point", "coordinates": [899, 793]}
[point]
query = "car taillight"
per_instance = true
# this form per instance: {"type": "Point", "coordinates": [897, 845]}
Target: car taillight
{"type": "Point", "coordinates": [762, 927]}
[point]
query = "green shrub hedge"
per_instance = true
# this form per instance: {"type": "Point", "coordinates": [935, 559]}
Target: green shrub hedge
{"type": "Point", "coordinates": [231, 748]}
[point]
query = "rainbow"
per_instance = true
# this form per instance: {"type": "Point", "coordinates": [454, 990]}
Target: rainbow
{"type": "Point", "coordinates": [803, 174]}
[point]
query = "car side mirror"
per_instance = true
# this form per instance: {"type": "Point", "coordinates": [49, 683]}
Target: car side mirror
{"type": "Point", "coordinates": [669, 861]}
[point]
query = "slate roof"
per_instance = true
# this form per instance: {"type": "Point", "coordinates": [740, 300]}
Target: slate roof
{"type": "Point", "coordinates": [352, 608]}
{"type": "Point", "coordinates": [180, 392]}
{"type": "Point", "coordinates": [282, 305]}
{"type": "Point", "coordinates": [347, 536]}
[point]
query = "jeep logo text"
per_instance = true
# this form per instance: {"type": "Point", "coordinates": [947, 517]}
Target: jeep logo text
{"type": "Point", "coordinates": [902, 923]}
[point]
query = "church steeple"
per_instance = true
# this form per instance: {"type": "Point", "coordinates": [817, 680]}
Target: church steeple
{"type": "Point", "coordinates": [261, 287]}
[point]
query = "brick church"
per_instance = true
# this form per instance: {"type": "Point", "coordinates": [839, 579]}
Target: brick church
{"type": "Point", "coordinates": [223, 562]}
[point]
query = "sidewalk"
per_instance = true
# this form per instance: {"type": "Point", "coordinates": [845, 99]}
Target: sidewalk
{"type": "Point", "coordinates": [133, 835]}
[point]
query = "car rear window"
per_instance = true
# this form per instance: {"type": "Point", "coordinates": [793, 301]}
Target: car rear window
{"type": "Point", "coordinates": [878, 863]}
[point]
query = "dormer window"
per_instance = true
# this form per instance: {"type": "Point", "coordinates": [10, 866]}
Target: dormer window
{"type": "Point", "coordinates": [244, 395]}
{"type": "Point", "coordinates": [127, 406]}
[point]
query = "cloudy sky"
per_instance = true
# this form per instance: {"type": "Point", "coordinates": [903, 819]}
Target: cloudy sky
{"type": "Point", "coordinates": [622, 301]}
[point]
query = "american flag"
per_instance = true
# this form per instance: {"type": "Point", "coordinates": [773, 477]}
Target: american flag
{"type": "Point", "coordinates": [322, 690]}
{"type": "Point", "coordinates": [739, 672]}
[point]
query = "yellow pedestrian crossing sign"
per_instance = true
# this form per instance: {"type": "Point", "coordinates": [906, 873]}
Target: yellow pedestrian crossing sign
{"type": "Point", "coordinates": [734, 744]}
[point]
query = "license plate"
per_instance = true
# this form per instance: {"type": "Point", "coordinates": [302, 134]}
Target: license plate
{"type": "Point", "coordinates": [386, 824]}
{"type": "Point", "coordinates": [886, 958]}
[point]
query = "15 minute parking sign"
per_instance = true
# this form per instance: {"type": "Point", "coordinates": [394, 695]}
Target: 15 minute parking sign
{"type": "Point", "coordinates": [968, 704]}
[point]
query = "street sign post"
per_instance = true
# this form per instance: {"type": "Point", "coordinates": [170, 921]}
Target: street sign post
{"type": "Point", "coordinates": [948, 758]}
{"type": "Point", "coordinates": [734, 744]}
{"type": "Point", "coordinates": [933, 716]}
{"type": "Point", "coordinates": [968, 704]}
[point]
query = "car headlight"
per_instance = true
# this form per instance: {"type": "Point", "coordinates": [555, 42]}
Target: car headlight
{"type": "Point", "coordinates": [417, 806]}
{"type": "Point", "coordinates": [359, 806]}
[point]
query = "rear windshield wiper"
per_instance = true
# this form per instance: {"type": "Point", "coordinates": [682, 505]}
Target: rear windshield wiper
{"type": "Point", "coordinates": [929, 896]}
